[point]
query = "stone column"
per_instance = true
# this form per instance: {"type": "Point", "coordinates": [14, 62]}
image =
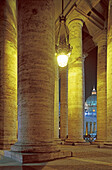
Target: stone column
{"type": "Point", "coordinates": [101, 39]}
{"type": "Point", "coordinates": [35, 76]}
{"type": "Point", "coordinates": [36, 80]}
{"type": "Point", "coordinates": [88, 127]}
{"type": "Point", "coordinates": [8, 74]}
{"type": "Point", "coordinates": [63, 103]}
{"type": "Point", "coordinates": [75, 83]}
{"type": "Point", "coordinates": [109, 74]}
{"type": "Point", "coordinates": [83, 76]}
{"type": "Point", "coordinates": [56, 102]}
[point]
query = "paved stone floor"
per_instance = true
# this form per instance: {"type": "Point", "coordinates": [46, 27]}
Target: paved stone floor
{"type": "Point", "coordinates": [85, 157]}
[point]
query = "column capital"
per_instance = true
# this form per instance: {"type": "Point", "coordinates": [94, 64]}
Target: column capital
{"type": "Point", "coordinates": [75, 21]}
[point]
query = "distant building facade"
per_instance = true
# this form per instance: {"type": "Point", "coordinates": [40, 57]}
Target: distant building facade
{"type": "Point", "coordinates": [90, 115]}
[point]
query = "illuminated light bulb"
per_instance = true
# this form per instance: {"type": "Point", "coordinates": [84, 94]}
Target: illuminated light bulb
{"type": "Point", "coordinates": [62, 60]}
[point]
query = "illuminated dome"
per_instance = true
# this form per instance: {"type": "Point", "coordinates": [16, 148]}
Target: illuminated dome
{"type": "Point", "coordinates": [92, 100]}
{"type": "Point", "coordinates": [91, 104]}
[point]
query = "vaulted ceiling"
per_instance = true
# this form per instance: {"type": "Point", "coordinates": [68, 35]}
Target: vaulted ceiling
{"type": "Point", "coordinates": [92, 12]}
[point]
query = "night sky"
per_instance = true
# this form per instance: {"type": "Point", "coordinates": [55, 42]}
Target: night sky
{"type": "Point", "coordinates": [90, 72]}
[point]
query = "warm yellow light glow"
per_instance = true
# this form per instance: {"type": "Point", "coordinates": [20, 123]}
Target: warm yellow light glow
{"type": "Point", "coordinates": [62, 60]}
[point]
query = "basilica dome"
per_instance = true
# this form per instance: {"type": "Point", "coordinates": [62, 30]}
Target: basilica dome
{"type": "Point", "coordinates": [91, 104]}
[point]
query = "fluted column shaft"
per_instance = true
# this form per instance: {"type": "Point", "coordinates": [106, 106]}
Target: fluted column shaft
{"type": "Point", "coordinates": [63, 103]}
{"type": "Point", "coordinates": [36, 74]}
{"type": "Point", "coordinates": [109, 74]}
{"type": "Point", "coordinates": [101, 39]}
{"type": "Point", "coordinates": [75, 83]}
{"type": "Point", "coordinates": [8, 73]}
{"type": "Point", "coordinates": [56, 102]}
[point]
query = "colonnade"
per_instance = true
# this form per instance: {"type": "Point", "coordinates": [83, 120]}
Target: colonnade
{"type": "Point", "coordinates": [103, 39]}
{"type": "Point", "coordinates": [90, 127]}
{"type": "Point", "coordinates": [38, 100]}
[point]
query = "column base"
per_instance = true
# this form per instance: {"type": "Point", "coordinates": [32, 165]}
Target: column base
{"type": "Point", "coordinates": [36, 157]}
{"type": "Point", "coordinates": [98, 142]}
{"type": "Point", "coordinates": [105, 145]}
{"type": "Point", "coordinates": [5, 146]}
{"type": "Point", "coordinates": [62, 142]}
{"type": "Point", "coordinates": [76, 142]}
{"type": "Point", "coordinates": [39, 152]}
{"type": "Point", "coordinates": [57, 140]}
{"type": "Point", "coordinates": [40, 146]}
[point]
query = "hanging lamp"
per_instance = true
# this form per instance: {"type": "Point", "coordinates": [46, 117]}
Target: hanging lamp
{"type": "Point", "coordinates": [63, 49]}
